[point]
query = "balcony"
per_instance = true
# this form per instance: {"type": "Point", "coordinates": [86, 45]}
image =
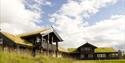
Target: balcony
{"type": "Point", "coordinates": [51, 47]}
{"type": "Point", "coordinates": [1, 41]}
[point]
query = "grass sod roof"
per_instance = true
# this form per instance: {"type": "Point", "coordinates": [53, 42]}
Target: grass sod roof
{"type": "Point", "coordinates": [72, 49]}
{"type": "Point", "coordinates": [100, 49]}
{"type": "Point", "coordinates": [40, 31]}
{"type": "Point", "coordinates": [16, 39]}
{"type": "Point", "coordinates": [32, 33]}
{"type": "Point", "coordinates": [105, 49]}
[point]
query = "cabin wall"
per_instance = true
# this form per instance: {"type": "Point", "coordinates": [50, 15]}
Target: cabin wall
{"type": "Point", "coordinates": [43, 44]}
{"type": "Point", "coordinates": [7, 41]}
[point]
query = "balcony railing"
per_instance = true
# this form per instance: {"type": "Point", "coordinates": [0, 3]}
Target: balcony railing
{"type": "Point", "coordinates": [49, 47]}
{"type": "Point", "coordinates": [1, 41]}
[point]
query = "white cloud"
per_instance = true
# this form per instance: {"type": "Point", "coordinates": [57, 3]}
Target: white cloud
{"type": "Point", "coordinates": [16, 18]}
{"type": "Point", "coordinates": [84, 7]}
{"type": "Point", "coordinates": [110, 32]}
{"type": "Point", "coordinates": [70, 21]}
{"type": "Point", "coordinates": [48, 3]}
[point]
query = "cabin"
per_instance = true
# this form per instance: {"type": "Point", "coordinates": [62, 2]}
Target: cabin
{"type": "Point", "coordinates": [88, 51]}
{"type": "Point", "coordinates": [43, 40]}
{"type": "Point", "coordinates": [9, 41]}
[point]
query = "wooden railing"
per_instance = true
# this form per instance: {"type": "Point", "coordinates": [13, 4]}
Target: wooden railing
{"type": "Point", "coordinates": [1, 41]}
{"type": "Point", "coordinates": [48, 46]}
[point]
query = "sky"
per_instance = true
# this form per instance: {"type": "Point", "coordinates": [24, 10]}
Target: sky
{"type": "Point", "coordinates": [99, 22]}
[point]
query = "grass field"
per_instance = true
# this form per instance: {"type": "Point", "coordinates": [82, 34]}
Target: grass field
{"type": "Point", "coordinates": [15, 57]}
{"type": "Point", "coordinates": [100, 61]}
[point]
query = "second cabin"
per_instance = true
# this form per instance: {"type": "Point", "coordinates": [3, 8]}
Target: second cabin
{"type": "Point", "coordinates": [88, 51]}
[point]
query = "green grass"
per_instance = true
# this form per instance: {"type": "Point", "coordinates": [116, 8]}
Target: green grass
{"type": "Point", "coordinates": [100, 61]}
{"type": "Point", "coordinates": [16, 57]}
{"type": "Point", "coordinates": [105, 49]}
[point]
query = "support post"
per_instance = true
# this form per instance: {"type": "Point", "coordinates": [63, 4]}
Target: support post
{"type": "Point", "coordinates": [34, 48]}
{"type": "Point", "coordinates": [56, 49]}
{"type": "Point", "coordinates": [119, 54]}
{"type": "Point", "coordinates": [48, 45]}
{"type": "Point", "coordinates": [41, 41]}
{"type": "Point", "coordinates": [52, 45]}
{"type": "Point", "coordinates": [33, 52]}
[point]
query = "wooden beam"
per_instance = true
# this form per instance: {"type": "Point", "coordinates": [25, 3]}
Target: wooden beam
{"type": "Point", "coordinates": [41, 42]}
{"type": "Point", "coordinates": [52, 45]}
{"type": "Point", "coordinates": [48, 45]}
{"type": "Point", "coordinates": [34, 48]}
{"type": "Point", "coordinates": [56, 49]}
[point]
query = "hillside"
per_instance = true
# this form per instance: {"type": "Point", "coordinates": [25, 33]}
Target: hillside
{"type": "Point", "coordinates": [14, 57]}
{"type": "Point", "coordinates": [17, 57]}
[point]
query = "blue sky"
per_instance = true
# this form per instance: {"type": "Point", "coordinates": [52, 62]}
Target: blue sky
{"type": "Point", "coordinates": [104, 13]}
{"type": "Point", "coordinates": [50, 9]}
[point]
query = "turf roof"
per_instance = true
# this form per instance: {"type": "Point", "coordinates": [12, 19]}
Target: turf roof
{"type": "Point", "coordinates": [100, 49]}
{"type": "Point", "coordinates": [16, 39]}
{"type": "Point", "coordinates": [40, 31]}
{"type": "Point", "coordinates": [105, 49]}
{"type": "Point", "coordinates": [32, 33]}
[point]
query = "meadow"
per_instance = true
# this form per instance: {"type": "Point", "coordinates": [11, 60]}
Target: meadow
{"type": "Point", "coordinates": [17, 57]}
{"type": "Point", "coordinates": [100, 61]}
{"type": "Point", "coordinates": [14, 57]}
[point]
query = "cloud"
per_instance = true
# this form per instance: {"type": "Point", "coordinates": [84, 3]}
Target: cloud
{"type": "Point", "coordinates": [84, 7]}
{"type": "Point", "coordinates": [48, 3]}
{"type": "Point", "coordinates": [70, 22]}
{"type": "Point", "coordinates": [110, 32]}
{"type": "Point", "coordinates": [18, 16]}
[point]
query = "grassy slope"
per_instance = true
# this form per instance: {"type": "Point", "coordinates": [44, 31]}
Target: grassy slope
{"type": "Point", "coordinates": [100, 61]}
{"type": "Point", "coordinates": [14, 57]}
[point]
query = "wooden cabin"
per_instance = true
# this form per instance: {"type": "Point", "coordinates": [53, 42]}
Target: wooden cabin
{"type": "Point", "coordinates": [88, 51]}
{"type": "Point", "coordinates": [43, 40]}
{"type": "Point", "coordinates": [9, 41]}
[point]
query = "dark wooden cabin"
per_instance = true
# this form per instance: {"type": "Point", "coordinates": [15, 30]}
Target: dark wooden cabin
{"type": "Point", "coordinates": [88, 51]}
{"type": "Point", "coordinates": [43, 40]}
{"type": "Point", "coordinates": [9, 41]}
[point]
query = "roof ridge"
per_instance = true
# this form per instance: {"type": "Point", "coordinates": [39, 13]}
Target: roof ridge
{"type": "Point", "coordinates": [33, 32]}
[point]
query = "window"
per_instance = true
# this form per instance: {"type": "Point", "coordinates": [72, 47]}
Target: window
{"type": "Point", "coordinates": [113, 55]}
{"type": "Point", "coordinates": [82, 56]}
{"type": "Point", "coordinates": [90, 56]}
{"type": "Point", "coordinates": [101, 55]}
{"type": "Point", "coordinates": [86, 49]}
{"type": "Point", "coordinates": [37, 39]}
